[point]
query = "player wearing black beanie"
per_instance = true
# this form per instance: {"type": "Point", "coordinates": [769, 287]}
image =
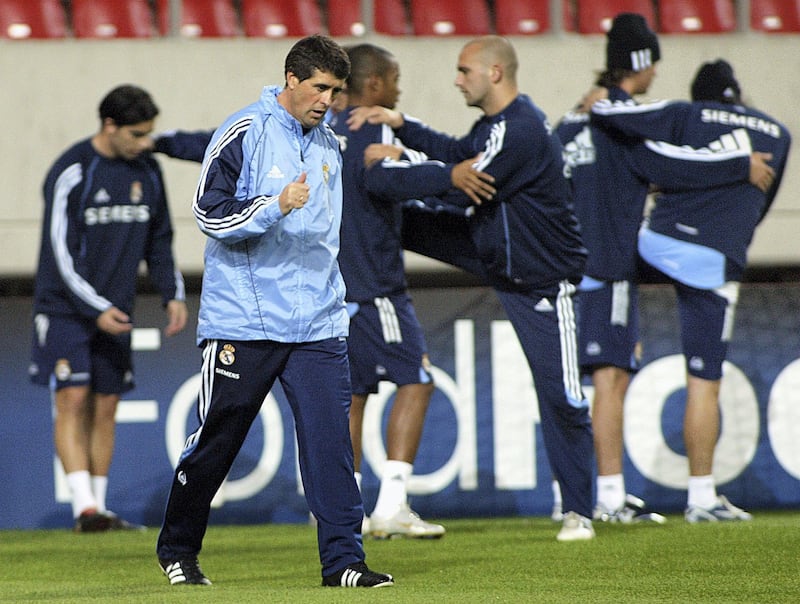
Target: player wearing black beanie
{"type": "Point", "coordinates": [631, 44]}
{"type": "Point", "coordinates": [716, 82]}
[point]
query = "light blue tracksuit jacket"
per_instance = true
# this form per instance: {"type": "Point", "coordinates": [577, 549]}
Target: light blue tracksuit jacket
{"type": "Point", "coordinates": [268, 276]}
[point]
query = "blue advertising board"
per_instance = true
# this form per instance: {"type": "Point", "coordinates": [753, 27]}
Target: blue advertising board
{"type": "Point", "coordinates": [481, 452]}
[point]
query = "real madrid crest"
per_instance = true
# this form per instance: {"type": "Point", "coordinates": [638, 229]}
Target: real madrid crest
{"type": "Point", "coordinates": [226, 355]}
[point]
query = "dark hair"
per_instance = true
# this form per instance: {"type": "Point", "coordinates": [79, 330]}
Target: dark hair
{"type": "Point", "coordinates": [612, 77]}
{"type": "Point", "coordinates": [317, 52]}
{"type": "Point", "coordinates": [366, 60]}
{"type": "Point", "coordinates": [128, 104]}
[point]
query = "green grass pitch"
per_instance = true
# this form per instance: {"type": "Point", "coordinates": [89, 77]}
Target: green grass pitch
{"type": "Point", "coordinates": [479, 560]}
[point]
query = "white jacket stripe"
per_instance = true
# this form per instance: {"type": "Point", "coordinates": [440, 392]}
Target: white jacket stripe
{"type": "Point", "coordinates": [569, 344]}
{"type": "Point", "coordinates": [59, 222]}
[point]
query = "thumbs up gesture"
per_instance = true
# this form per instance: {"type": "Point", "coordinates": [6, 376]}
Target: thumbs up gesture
{"type": "Point", "coordinates": [294, 195]}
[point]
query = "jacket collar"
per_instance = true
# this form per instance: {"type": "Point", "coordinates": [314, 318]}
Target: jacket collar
{"type": "Point", "coordinates": [269, 100]}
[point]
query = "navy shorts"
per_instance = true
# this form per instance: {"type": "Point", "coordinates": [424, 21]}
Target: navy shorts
{"type": "Point", "coordinates": [706, 317]}
{"type": "Point", "coordinates": [386, 344]}
{"type": "Point", "coordinates": [608, 326]}
{"type": "Point", "coordinates": [72, 351]}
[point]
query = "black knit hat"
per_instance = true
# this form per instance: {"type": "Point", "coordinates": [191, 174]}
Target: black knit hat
{"type": "Point", "coordinates": [716, 82]}
{"type": "Point", "coordinates": [631, 44]}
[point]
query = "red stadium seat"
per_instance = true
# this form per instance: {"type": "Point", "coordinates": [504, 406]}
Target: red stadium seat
{"type": "Point", "coordinates": [344, 18]}
{"type": "Point", "coordinates": [521, 17]}
{"type": "Point", "coordinates": [775, 16]}
{"type": "Point", "coordinates": [390, 17]}
{"type": "Point", "coordinates": [25, 19]}
{"type": "Point", "coordinates": [450, 17]}
{"type": "Point", "coordinates": [595, 16]}
{"type": "Point", "coordinates": [112, 19]}
{"type": "Point", "coordinates": [201, 18]}
{"type": "Point", "coordinates": [279, 18]}
{"type": "Point", "coordinates": [696, 16]}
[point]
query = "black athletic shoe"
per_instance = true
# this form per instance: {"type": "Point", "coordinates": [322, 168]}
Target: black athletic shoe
{"type": "Point", "coordinates": [357, 575]}
{"type": "Point", "coordinates": [118, 524]}
{"type": "Point", "coordinates": [92, 521]}
{"type": "Point", "coordinates": [184, 572]}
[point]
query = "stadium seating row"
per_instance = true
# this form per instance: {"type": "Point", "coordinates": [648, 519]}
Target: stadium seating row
{"type": "Point", "coordinates": [22, 19]}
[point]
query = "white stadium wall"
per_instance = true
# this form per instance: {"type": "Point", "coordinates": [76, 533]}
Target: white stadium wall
{"type": "Point", "coordinates": [53, 89]}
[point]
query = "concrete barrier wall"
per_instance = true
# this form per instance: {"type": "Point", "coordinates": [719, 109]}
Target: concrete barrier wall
{"type": "Point", "coordinates": [53, 89]}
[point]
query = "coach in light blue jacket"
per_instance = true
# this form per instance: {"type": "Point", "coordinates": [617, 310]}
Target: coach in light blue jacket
{"type": "Point", "coordinates": [269, 276]}
{"type": "Point", "coordinates": [272, 308]}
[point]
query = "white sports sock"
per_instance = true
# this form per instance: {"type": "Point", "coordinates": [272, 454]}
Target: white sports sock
{"type": "Point", "coordinates": [556, 493]}
{"type": "Point", "coordinates": [393, 492]}
{"type": "Point", "coordinates": [611, 492]}
{"type": "Point", "coordinates": [80, 487]}
{"type": "Point", "coordinates": [702, 492]}
{"type": "Point", "coordinates": [99, 488]}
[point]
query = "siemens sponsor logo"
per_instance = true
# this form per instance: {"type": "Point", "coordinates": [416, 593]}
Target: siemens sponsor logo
{"type": "Point", "coordinates": [741, 121]}
{"type": "Point", "coordinates": [109, 214]}
{"type": "Point", "coordinates": [226, 373]}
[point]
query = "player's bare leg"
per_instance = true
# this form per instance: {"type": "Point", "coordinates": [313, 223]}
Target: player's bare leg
{"type": "Point", "coordinates": [357, 404]}
{"type": "Point", "coordinates": [406, 421]}
{"type": "Point", "coordinates": [102, 440]}
{"type": "Point", "coordinates": [701, 424]}
{"type": "Point", "coordinates": [103, 433]}
{"type": "Point", "coordinates": [101, 451]}
{"type": "Point", "coordinates": [610, 386]}
{"type": "Point", "coordinates": [701, 432]}
{"type": "Point", "coordinates": [392, 515]}
{"type": "Point", "coordinates": [614, 504]}
{"type": "Point", "coordinates": [72, 428]}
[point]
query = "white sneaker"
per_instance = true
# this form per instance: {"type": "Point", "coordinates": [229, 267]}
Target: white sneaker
{"type": "Point", "coordinates": [405, 523]}
{"type": "Point", "coordinates": [632, 511]}
{"type": "Point", "coordinates": [575, 528]}
{"type": "Point", "coordinates": [723, 511]}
